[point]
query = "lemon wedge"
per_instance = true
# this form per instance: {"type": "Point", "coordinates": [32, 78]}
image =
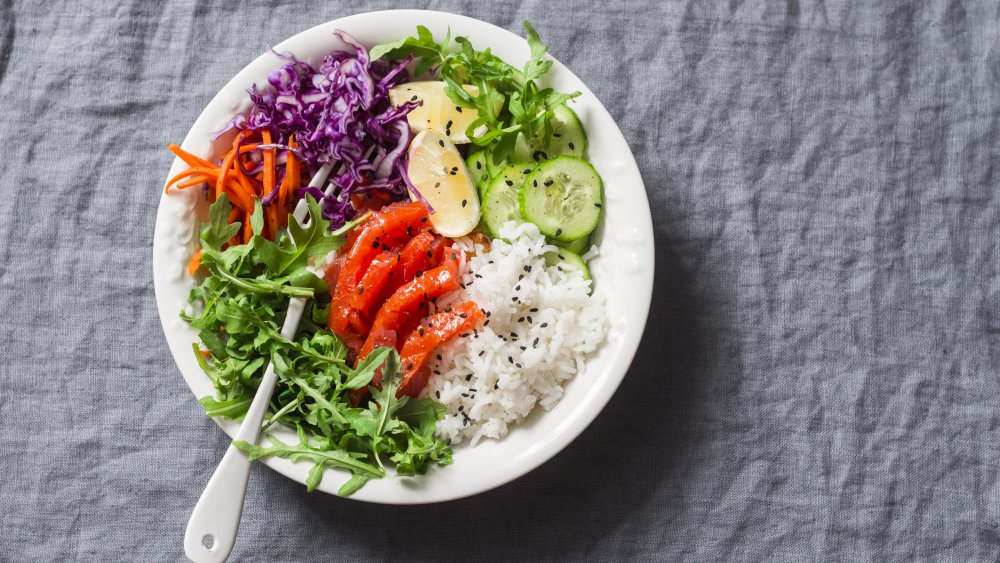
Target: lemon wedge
{"type": "Point", "coordinates": [438, 171]}
{"type": "Point", "coordinates": [437, 112]}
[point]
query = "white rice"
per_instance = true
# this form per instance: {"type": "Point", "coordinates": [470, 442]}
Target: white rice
{"type": "Point", "coordinates": [485, 380]}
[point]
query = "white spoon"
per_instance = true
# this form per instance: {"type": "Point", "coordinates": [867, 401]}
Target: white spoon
{"type": "Point", "coordinates": [211, 531]}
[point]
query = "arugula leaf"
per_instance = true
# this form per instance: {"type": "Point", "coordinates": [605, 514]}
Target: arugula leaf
{"type": "Point", "coordinates": [361, 376]}
{"type": "Point", "coordinates": [219, 231]}
{"type": "Point", "coordinates": [384, 402]}
{"type": "Point", "coordinates": [525, 108]}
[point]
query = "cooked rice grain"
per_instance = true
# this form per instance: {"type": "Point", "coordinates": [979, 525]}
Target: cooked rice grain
{"type": "Point", "coordinates": [542, 325]}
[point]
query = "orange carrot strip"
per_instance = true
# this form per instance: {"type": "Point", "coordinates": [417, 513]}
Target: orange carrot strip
{"type": "Point", "coordinates": [227, 164]}
{"type": "Point", "coordinates": [194, 182]}
{"type": "Point", "coordinates": [189, 158]}
{"type": "Point", "coordinates": [210, 172]}
{"type": "Point", "coordinates": [194, 263]}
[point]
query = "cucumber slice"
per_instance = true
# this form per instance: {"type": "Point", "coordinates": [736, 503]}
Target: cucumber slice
{"type": "Point", "coordinates": [494, 168]}
{"type": "Point", "coordinates": [500, 204]}
{"type": "Point", "coordinates": [568, 138]}
{"type": "Point", "coordinates": [512, 174]}
{"type": "Point", "coordinates": [568, 259]}
{"type": "Point", "coordinates": [564, 197]}
{"type": "Point", "coordinates": [478, 171]}
{"type": "Point", "coordinates": [579, 246]}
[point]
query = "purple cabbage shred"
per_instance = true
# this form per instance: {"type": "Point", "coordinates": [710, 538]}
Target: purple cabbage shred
{"type": "Point", "coordinates": [338, 113]}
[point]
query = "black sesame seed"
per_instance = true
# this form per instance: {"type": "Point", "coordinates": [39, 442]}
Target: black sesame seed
{"type": "Point", "coordinates": [509, 182]}
{"type": "Point", "coordinates": [547, 183]}
{"type": "Point", "coordinates": [535, 343]}
{"type": "Point", "coordinates": [538, 155]}
{"type": "Point", "coordinates": [526, 171]}
{"type": "Point", "coordinates": [419, 274]}
{"type": "Point", "coordinates": [385, 247]}
{"type": "Point", "coordinates": [447, 309]}
{"type": "Point", "coordinates": [458, 109]}
{"type": "Point", "coordinates": [462, 315]}
{"type": "Point", "coordinates": [409, 366]}
{"type": "Point", "coordinates": [437, 394]}
{"type": "Point", "coordinates": [465, 202]}
{"type": "Point", "coordinates": [479, 165]}
{"type": "Point", "coordinates": [481, 352]}
{"type": "Point", "coordinates": [523, 348]}
{"type": "Point", "coordinates": [437, 372]}
{"type": "Point", "coordinates": [375, 244]}
{"type": "Point", "coordinates": [478, 276]}
{"type": "Point", "coordinates": [420, 331]}
{"type": "Point", "coordinates": [439, 357]}
{"type": "Point", "coordinates": [423, 219]}
{"type": "Point", "coordinates": [510, 359]}
{"type": "Point", "coordinates": [534, 183]}
{"type": "Point", "coordinates": [557, 134]}
{"type": "Point", "coordinates": [496, 385]}
{"type": "Point", "coordinates": [413, 98]}
{"type": "Point", "coordinates": [488, 314]}
{"type": "Point", "coordinates": [543, 325]}
{"type": "Point", "coordinates": [468, 377]}
{"type": "Point", "coordinates": [529, 319]}
{"type": "Point", "coordinates": [462, 407]}
{"type": "Point", "coordinates": [465, 394]}
{"type": "Point", "coordinates": [486, 323]}
{"type": "Point", "coordinates": [558, 232]}
{"type": "Point", "coordinates": [571, 147]}
{"type": "Point", "coordinates": [448, 125]}
{"type": "Point", "coordinates": [517, 287]}
{"type": "Point", "coordinates": [598, 205]}
{"type": "Point", "coordinates": [361, 290]}
{"type": "Point", "coordinates": [465, 335]}
{"type": "Point", "coordinates": [519, 366]}
{"type": "Point", "coordinates": [520, 319]}
{"type": "Point", "coordinates": [533, 310]}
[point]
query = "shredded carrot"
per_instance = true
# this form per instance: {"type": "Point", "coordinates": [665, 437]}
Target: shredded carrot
{"type": "Point", "coordinates": [227, 165]}
{"type": "Point", "coordinates": [200, 171]}
{"type": "Point", "coordinates": [243, 189]}
{"type": "Point", "coordinates": [193, 182]}
{"type": "Point", "coordinates": [293, 174]}
{"type": "Point", "coordinates": [205, 353]}
{"type": "Point", "coordinates": [246, 190]}
{"type": "Point", "coordinates": [194, 263]}
{"type": "Point", "coordinates": [189, 158]}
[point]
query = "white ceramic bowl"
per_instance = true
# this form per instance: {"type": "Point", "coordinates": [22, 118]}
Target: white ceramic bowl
{"type": "Point", "coordinates": [623, 272]}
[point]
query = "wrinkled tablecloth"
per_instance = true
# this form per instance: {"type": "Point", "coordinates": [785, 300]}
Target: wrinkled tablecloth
{"type": "Point", "coordinates": [817, 380]}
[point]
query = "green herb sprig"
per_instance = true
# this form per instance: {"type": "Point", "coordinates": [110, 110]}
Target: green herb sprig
{"type": "Point", "coordinates": [510, 101]}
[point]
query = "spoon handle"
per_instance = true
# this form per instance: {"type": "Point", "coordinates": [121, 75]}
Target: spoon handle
{"type": "Point", "coordinates": [211, 531]}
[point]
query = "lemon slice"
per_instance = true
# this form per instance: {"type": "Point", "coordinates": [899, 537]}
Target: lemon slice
{"type": "Point", "coordinates": [438, 171]}
{"type": "Point", "coordinates": [437, 112]}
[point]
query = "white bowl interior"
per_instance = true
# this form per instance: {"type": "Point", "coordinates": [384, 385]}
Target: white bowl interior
{"type": "Point", "coordinates": [623, 271]}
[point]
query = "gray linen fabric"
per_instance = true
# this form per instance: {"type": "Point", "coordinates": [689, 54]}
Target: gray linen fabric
{"type": "Point", "coordinates": [817, 378]}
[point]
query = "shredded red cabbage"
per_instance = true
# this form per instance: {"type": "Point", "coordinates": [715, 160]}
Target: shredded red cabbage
{"type": "Point", "coordinates": [338, 113]}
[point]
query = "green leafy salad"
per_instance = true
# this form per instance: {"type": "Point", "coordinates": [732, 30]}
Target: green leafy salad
{"type": "Point", "coordinates": [243, 303]}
